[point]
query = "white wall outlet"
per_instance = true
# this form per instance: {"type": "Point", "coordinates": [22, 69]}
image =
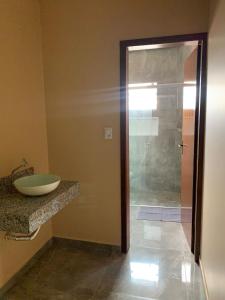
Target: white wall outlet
{"type": "Point", "coordinates": [108, 133]}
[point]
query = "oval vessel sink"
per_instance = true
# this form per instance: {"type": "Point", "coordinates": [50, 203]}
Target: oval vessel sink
{"type": "Point", "coordinates": [36, 185]}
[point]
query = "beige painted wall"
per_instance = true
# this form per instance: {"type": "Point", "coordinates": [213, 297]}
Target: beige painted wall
{"type": "Point", "coordinates": [22, 111]}
{"type": "Point", "coordinates": [81, 59]}
{"type": "Point", "coordinates": [213, 240]}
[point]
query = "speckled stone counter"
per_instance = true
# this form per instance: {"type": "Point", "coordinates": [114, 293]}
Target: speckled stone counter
{"type": "Point", "coordinates": [24, 214]}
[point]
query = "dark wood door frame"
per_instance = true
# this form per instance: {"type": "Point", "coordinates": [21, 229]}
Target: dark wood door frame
{"type": "Point", "coordinates": [201, 38]}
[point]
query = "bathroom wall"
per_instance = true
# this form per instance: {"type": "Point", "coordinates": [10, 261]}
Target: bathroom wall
{"type": "Point", "coordinates": [81, 67]}
{"type": "Point", "coordinates": [22, 113]}
{"type": "Point", "coordinates": [213, 241]}
{"type": "Point", "coordinates": [155, 159]}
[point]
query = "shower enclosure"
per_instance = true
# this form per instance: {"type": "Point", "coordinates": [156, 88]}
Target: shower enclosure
{"type": "Point", "coordinates": [155, 94]}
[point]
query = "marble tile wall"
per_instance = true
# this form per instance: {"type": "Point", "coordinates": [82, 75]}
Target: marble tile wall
{"type": "Point", "coordinates": [155, 159]}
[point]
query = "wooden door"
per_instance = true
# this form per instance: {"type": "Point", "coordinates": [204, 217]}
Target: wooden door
{"type": "Point", "coordinates": [187, 145]}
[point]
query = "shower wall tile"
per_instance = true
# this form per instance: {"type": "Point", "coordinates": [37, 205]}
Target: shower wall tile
{"type": "Point", "coordinates": [155, 161]}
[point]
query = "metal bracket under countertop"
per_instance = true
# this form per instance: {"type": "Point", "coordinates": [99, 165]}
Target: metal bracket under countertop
{"type": "Point", "coordinates": [22, 237]}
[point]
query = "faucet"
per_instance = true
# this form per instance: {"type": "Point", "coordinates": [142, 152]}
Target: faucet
{"type": "Point", "coordinates": [24, 163]}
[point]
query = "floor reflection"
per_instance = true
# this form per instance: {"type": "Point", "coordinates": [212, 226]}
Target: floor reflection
{"type": "Point", "coordinates": [144, 271]}
{"type": "Point", "coordinates": [186, 272]}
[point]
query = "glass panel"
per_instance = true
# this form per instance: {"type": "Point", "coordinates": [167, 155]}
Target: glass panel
{"type": "Point", "coordinates": [155, 94]}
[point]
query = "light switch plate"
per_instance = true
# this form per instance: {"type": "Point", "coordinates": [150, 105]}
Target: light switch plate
{"type": "Point", "coordinates": [108, 133]}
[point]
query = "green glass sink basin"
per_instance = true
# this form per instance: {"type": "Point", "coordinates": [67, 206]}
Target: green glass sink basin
{"type": "Point", "coordinates": [37, 185]}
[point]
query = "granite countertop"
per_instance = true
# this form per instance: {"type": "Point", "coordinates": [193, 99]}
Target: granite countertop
{"type": "Point", "coordinates": [24, 214]}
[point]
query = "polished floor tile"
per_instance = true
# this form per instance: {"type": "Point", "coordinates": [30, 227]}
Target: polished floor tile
{"type": "Point", "coordinates": [156, 234]}
{"type": "Point", "coordinates": [159, 266]}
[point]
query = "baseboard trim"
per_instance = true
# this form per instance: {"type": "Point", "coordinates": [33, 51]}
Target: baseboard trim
{"type": "Point", "coordinates": [85, 245]}
{"type": "Point", "coordinates": [14, 279]}
{"type": "Point", "coordinates": [63, 242]}
{"type": "Point", "coordinates": [204, 279]}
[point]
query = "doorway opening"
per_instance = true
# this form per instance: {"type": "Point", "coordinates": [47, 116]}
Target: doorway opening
{"type": "Point", "coordinates": [163, 95]}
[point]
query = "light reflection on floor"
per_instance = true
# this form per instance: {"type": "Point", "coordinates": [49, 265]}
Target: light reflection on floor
{"type": "Point", "coordinates": [144, 271]}
{"type": "Point", "coordinates": [186, 272]}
